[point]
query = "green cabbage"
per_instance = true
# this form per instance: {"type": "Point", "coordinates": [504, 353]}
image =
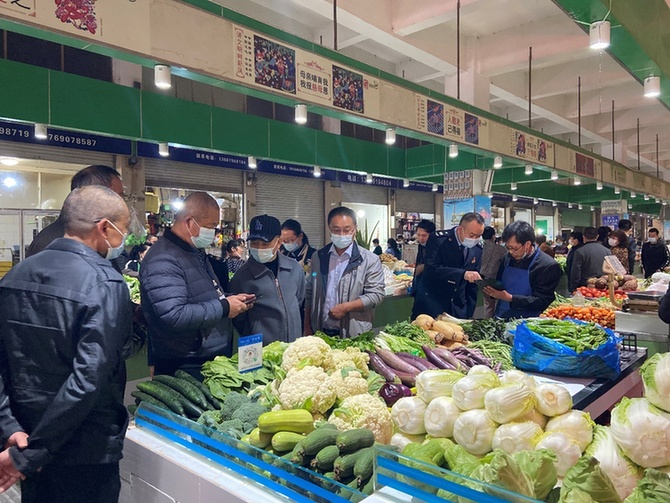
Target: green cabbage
{"type": "Point", "coordinates": [656, 377]}
{"type": "Point", "coordinates": [653, 488]}
{"type": "Point", "coordinates": [589, 483]}
{"type": "Point", "coordinates": [541, 468]}
{"type": "Point", "coordinates": [502, 470]}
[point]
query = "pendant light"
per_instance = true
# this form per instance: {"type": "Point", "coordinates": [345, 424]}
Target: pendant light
{"type": "Point", "coordinates": [512, 186]}
{"type": "Point", "coordinates": [652, 86]}
{"type": "Point", "coordinates": [317, 171]}
{"type": "Point", "coordinates": [301, 113]}
{"type": "Point", "coordinates": [405, 183]}
{"type": "Point", "coordinates": [528, 170]}
{"type": "Point", "coordinates": [633, 195]}
{"type": "Point", "coordinates": [434, 187]}
{"type": "Point", "coordinates": [536, 201]}
{"type": "Point", "coordinates": [580, 207]}
{"type": "Point", "coordinates": [554, 174]}
{"type": "Point", "coordinates": [453, 150]}
{"type": "Point", "coordinates": [163, 149]}
{"type": "Point", "coordinates": [617, 190]}
{"type": "Point", "coordinates": [497, 162]}
{"type": "Point", "coordinates": [368, 178]}
{"type": "Point", "coordinates": [515, 198]}
{"type": "Point", "coordinates": [599, 185]}
{"type": "Point", "coordinates": [646, 197]}
{"type": "Point", "coordinates": [599, 35]}
{"type": "Point", "coordinates": [554, 204]}
{"type": "Point", "coordinates": [390, 136]}
{"type": "Point", "coordinates": [577, 181]}
{"type": "Point", "coordinates": [251, 161]}
{"type": "Point", "coordinates": [41, 131]}
{"type": "Point", "coordinates": [162, 76]}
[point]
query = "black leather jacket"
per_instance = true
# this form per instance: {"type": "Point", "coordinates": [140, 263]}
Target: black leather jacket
{"type": "Point", "coordinates": [65, 316]}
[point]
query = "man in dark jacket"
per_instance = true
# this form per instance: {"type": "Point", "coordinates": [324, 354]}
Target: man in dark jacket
{"type": "Point", "coordinates": [528, 275]}
{"type": "Point", "coordinates": [277, 281]}
{"type": "Point", "coordinates": [96, 174]}
{"type": "Point", "coordinates": [588, 260]}
{"type": "Point", "coordinates": [654, 254]}
{"type": "Point", "coordinates": [453, 259]}
{"type": "Point", "coordinates": [65, 316]}
{"type": "Point", "coordinates": [184, 304]}
{"type": "Point", "coordinates": [627, 226]}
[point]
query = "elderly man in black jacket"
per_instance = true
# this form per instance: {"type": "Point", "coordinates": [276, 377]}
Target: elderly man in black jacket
{"type": "Point", "coordinates": [182, 300]}
{"type": "Point", "coordinates": [65, 316]}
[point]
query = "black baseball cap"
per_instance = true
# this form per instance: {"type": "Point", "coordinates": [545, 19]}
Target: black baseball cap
{"type": "Point", "coordinates": [264, 227]}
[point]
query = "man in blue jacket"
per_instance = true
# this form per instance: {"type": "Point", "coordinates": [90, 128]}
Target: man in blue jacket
{"type": "Point", "coordinates": [185, 307]}
{"type": "Point", "coordinates": [65, 317]}
{"type": "Point", "coordinates": [453, 259]}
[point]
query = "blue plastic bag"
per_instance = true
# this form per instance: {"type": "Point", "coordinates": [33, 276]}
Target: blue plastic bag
{"type": "Point", "coordinates": [535, 353]}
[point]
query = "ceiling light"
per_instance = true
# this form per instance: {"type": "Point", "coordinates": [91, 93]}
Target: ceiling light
{"type": "Point", "coordinates": [9, 161]}
{"type": "Point", "coordinates": [515, 198]}
{"type": "Point", "coordinates": [554, 174]}
{"type": "Point", "coordinates": [41, 131]}
{"type": "Point", "coordinates": [617, 190]}
{"type": "Point", "coordinates": [390, 136]}
{"type": "Point", "coordinates": [665, 203]}
{"type": "Point", "coordinates": [652, 86]}
{"type": "Point", "coordinates": [569, 206]}
{"type": "Point", "coordinates": [453, 150]}
{"type": "Point", "coordinates": [580, 207]}
{"type": "Point", "coordinates": [178, 204]}
{"type": "Point", "coordinates": [599, 185]}
{"type": "Point", "coordinates": [599, 35]}
{"type": "Point", "coordinates": [657, 200]}
{"type": "Point", "coordinates": [317, 171]}
{"type": "Point", "coordinates": [646, 197]}
{"type": "Point", "coordinates": [301, 113]}
{"type": "Point", "coordinates": [592, 208]}
{"type": "Point", "coordinates": [497, 162]}
{"type": "Point", "coordinates": [536, 201]}
{"type": "Point", "coordinates": [434, 188]}
{"type": "Point", "coordinates": [163, 149]}
{"type": "Point", "coordinates": [633, 195]}
{"type": "Point", "coordinates": [554, 204]}
{"type": "Point", "coordinates": [528, 170]}
{"type": "Point", "coordinates": [512, 186]}
{"type": "Point", "coordinates": [490, 195]}
{"type": "Point", "coordinates": [251, 161]}
{"type": "Point", "coordinates": [405, 182]}
{"type": "Point", "coordinates": [630, 206]}
{"type": "Point", "coordinates": [9, 182]}
{"type": "Point", "coordinates": [368, 178]}
{"type": "Point", "coordinates": [162, 76]}
{"type": "Point", "coordinates": [577, 181]}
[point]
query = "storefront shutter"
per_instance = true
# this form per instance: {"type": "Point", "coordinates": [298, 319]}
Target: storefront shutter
{"type": "Point", "coordinates": [56, 154]}
{"type": "Point", "coordinates": [287, 197]}
{"type": "Point", "coordinates": [365, 194]}
{"type": "Point", "coordinates": [414, 201]}
{"type": "Point", "coordinates": [180, 175]}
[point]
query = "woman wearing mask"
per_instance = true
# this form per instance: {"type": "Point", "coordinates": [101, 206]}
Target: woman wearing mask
{"type": "Point", "coordinates": [234, 255]}
{"type": "Point", "coordinates": [295, 243]}
{"type": "Point", "coordinates": [132, 267]}
{"type": "Point", "coordinates": [393, 249]}
{"type": "Point", "coordinates": [576, 242]}
{"type": "Point", "coordinates": [559, 246]}
{"type": "Point", "coordinates": [618, 243]}
{"type": "Point", "coordinates": [277, 282]}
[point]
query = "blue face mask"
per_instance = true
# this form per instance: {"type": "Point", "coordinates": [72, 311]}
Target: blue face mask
{"type": "Point", "coordinates": [291, 247]}
{"type": "Point", "coordinates": [205, 238]}
{"type": "Point", "coordinates": [114, 253]}
{"type": "Point", "coordinates": [342, 241]}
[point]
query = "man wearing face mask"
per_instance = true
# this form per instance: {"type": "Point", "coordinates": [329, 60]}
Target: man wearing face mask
{"type": "Point", "coordinates": [185, 307]}
{"type": "Point", "coordinates": [453, 260]}
{"type": "Point", "coordinates": [65, 317]}
{"type": "Point", "coordinates": [346, 282]}
{"type": "Point", "coordinates": [654, 254]}
{"type": "Point", "coordinates": [529, 276]}
{"type": "Point", "coordinates": [277, 281]}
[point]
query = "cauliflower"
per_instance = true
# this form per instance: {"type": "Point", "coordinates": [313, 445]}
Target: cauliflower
{"type": "Point", "coordinates": [348, 383]}
{"type": "Point", "coordinates": [350, 357]}
{"type": "Point", "coordinates": [364, 411]}
{"type": "Point", "coordinates": [307, 388]}
{"type": "Point", "coordinates": [314, 350]}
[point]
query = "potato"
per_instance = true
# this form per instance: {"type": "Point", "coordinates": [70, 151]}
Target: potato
{"type": "Point", "coordinates": [444, 328]}
{"type": "Point", "coordinates": [424, 321]}
{"type": "Point", "coordinates": [629, 277]}
{"type": "Point", "coordinates": [591, 282]}
{"type": "Point", "coordinates": [630, 286]}
{"type": "Point", "coordinates": [601, 284]}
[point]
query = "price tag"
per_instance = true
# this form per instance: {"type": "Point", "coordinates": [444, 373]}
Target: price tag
{"type": "Point", "coordinates": [250, 353]}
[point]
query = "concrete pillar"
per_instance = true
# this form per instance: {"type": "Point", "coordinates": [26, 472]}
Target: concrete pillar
{"type": "Point", "coordinates": [133, 175]}
{"type": "Point", "coordinates": [475, 88]}
{"type": "Point", "coordinates": [332, 197]}
{"type": "Point", "coordinates": [126, 74]}
{"type": "Point", "coordinates": [331, 125]}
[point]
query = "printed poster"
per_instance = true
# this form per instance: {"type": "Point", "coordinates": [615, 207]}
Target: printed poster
{"type": "Point", "coordinates": [531, 148]}
{"type": "Point", "coordinates": [449, 122]}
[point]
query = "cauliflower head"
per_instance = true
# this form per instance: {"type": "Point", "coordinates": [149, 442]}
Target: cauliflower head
{"type": "Point", "coordinates": [312, 349]}
{"type": "Point", "coordinates": [307, 388]}
{"type": "Point", "coordinates": [349, 383]}
{"type": "Point", "coordinates": [364, 411]}
{"type": "Point", "coordinates": [350, 357]}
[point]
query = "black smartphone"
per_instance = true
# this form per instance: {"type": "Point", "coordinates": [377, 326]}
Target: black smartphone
{"type": "Point", "coordinates": [492, 282]}
{"type": "Point", "coordinates": [253, 299]}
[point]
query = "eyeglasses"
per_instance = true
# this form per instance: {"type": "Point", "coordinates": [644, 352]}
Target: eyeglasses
{"type": "Point", "coordinates": [513, 250]}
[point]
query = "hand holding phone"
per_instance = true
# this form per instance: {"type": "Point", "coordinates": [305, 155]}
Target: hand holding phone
{"type": "Point", "coordinates": [253, 299]}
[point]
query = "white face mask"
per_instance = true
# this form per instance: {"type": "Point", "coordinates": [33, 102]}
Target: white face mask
{"type": "Point", "coordinates": [471, 242]}
{"type": "Point", "coordinates": [205, 238]}
{"type": "Point", "coordinates": [341, 241]}
{"type": "Point", "coordinates": [291, 247]}
{"type": "Point", "coordinates": [612, 242]}
{"type": "Point", "coordinates": [653, 241]}
{"type": "Point", "coordinates": [113, 253]}
{"type": "Point", "coordinates": [262, 255]}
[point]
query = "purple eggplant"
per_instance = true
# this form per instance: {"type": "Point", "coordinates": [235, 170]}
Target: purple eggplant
{"type": "Point", "coordinates": [392, 392]}
{"type": "Point", "coordinates": [407, 379]}
{"type": "Point", "coordinates": [436, 360]}
{"type": "Point", "coordinates": [381, 368]}
{"type": "Point", "coordinates": [448, 357]}
{"type": "Point", "coordinates": [417, 361]}
{"type": "Point", "coordinates": [477, 357]}
{"type": "Point", "coordinates": [396, 363]}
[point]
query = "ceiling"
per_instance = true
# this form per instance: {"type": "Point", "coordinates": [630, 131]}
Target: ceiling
{"type": "Point", "coordinates": [418, 41]}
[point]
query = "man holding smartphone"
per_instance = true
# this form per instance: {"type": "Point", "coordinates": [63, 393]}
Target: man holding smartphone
{"type": "Point", "coordinates": [277, 283]}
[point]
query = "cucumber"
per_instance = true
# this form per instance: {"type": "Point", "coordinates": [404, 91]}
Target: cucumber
{"type": "Point", "coordinates": [184, 387]}
{"type": "Point", "coordinates": [364, 464]}
{"type": "Point", "coordinates": [214, 402]}
{"type": "Point", "coordinates": [286, 440]}
{"type": "Point", "coordinates": [164, 393]}
{"type": "Point", "coordinates": [260, 440]}
{"type": "Point", "coordinates": [191, 409]}
{"type": "Point", "coordinates": [132, 409]}
{"type": "Point", "coordinates": [369, 487]}
{"type": "Point", "coordinates": [354, 440]}
{"type": "Point", "coordinates": [145, 397]}
{"type": "Point", "coordinates": [344, 466]}
{"type": "Point", "coordinates": [326, 457]}
{"type": "Point", "coordinates": [299, 457]}
{"type": "Point", "coordinates": [318, 439]}
{"type": "Point", "coordinates": [296, 421]}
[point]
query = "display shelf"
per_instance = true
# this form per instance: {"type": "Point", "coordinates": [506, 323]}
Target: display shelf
{"type": "Point", "coordinates": [422, 482]}
{"type": "Point", "coordinates": [261, 467]}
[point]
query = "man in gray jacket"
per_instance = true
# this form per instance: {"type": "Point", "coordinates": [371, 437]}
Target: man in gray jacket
{"type": "Point", "coordinates": [277, 281]}
{"type": "Point", "coordinates": [346, 282]}
{"type": "Point", "coordinates": [588, 261]}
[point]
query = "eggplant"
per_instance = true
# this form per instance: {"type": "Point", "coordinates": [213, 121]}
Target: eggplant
{"type": "Point", "coordinates": [397, 363]}
{"type": "Point", "coordinates": [417, 361]}
{"type": "Point", "coordinates": [407, 379]}
{"type": "Point", "coordinates": [448, 357]}
{"type": "Point", "coordinates": [436, 360]}
{"type": "Point", "coordinates": [477, 357]}
{"type": "Point", "coordinates": [380, 367]}
{"type": "Point", "coordinates": [392, 392]}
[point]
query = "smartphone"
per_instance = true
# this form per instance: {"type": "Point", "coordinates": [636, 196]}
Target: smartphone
{"type": "Point", "coordinates": [253, 299]}
{"type": "Point", "coordinates": [492, 282]}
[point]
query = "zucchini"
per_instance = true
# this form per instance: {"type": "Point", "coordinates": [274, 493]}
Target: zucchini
{"type": "Point", "coordinates": [213, 401]}
{"type": "Point", "coordinates": [299, 457]}
{"type": "Point", "coordinates": [140, 397]}
{"type": "Point", "coordinates": [190, 391]}
{"type": "Point", "coordinates": [326, 457]}
{"type": "Point", "coordinates": [260, 440]}
{"type": "Point", "coordinates": [369, 487]}
{"type": "Point", "coordinates": [318, 439]}
{"type": "Point", "coordinates": [132, 409]}
{"type": "Point", "coordinates": [165, 394]}
{"type": "Point", "coordinates": [296, 421]}
{"type": "Point", "coordinates": [285, 440]}
{"type": "Point", "coordinates": [344, 466]}
{"type": "Point", "coordinates": [364, 464]}
{"type": "Point", "coordinates": [354, 440]}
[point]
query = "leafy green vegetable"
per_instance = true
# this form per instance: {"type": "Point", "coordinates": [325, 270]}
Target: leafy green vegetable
{"type": "Point", "coordinates": [134, 287]}
{"type": "Point", "coordinates": [653, 488]}
{"type": "Point", "coordinates": [589, 483]}
{"type": "Point", "coordinates": [502, 470]}
{"type": "Point", "coordinates": [222, 376]}
{"type": "Point", "coordinates": [492, 329]}
{"type": "Point", "coordinates": [364, 342]}
{"type": "Point", "coordinates": [399, 344]}
{"type": "Point", "coordinates": [409, 331]}
{"type": "Point", "coordinates": [540, 466]}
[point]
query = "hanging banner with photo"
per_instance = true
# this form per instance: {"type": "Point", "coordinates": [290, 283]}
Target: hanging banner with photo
{"type": "Point", "coordinates": [531, 148]}
{"type": "Point", "coordinates": [450, 122]}
{"type": "Point", "coordinates": [614, 207]}
{"type": "Point", "coordinates": [585, 165]}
